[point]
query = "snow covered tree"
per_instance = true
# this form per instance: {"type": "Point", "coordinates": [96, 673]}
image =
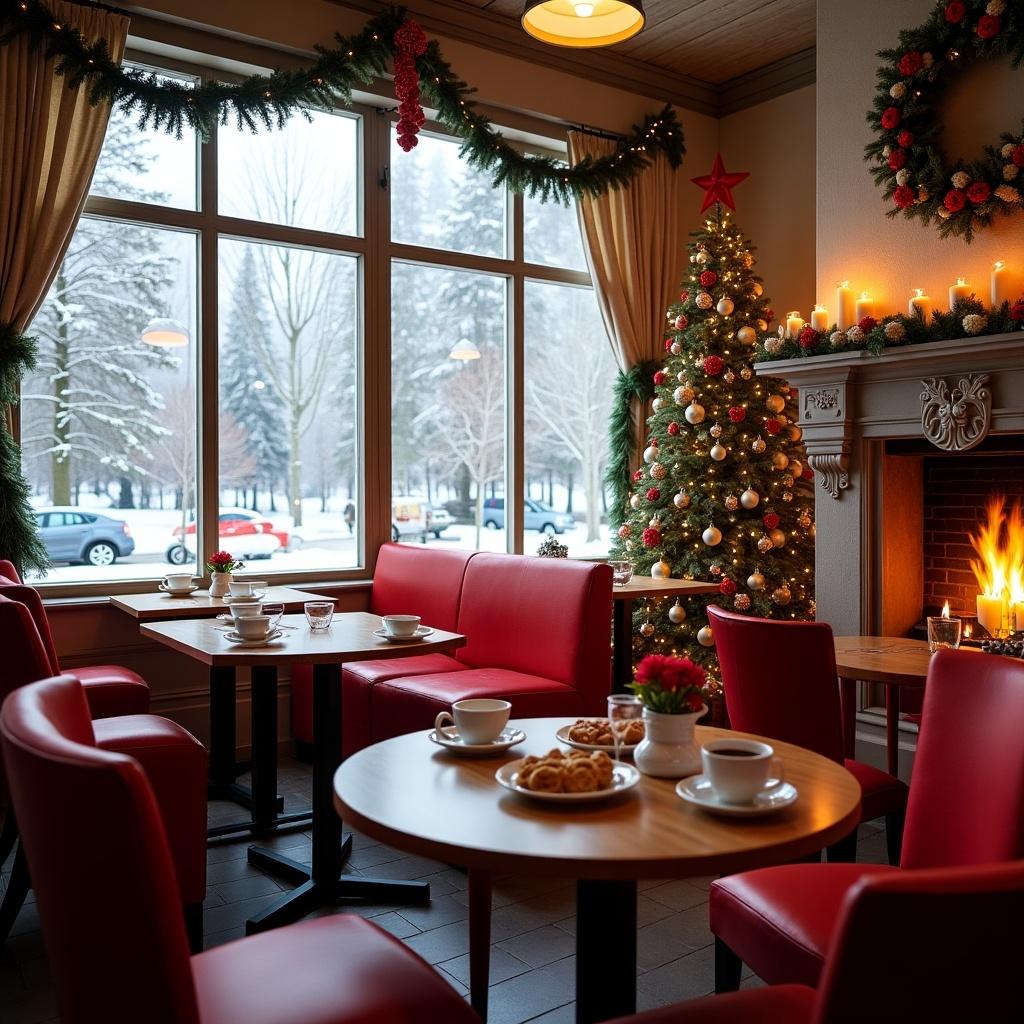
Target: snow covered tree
{"type": "Point", "coordinates": [723, 494]}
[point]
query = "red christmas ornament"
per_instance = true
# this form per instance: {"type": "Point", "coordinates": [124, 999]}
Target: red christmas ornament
{"type": "Point", "coordinates": [410, 43]}
{"type": "Point", "coordinates": [684, 296]}
{"type": "Point", "coordinates": [709, 279]}
{"type": "Point", "coordinates": [979, 192]}
{"type": "Point", "coordinates": [673, 427]}
{"type": "Point", "coordinates": [904, 196]}
{"type": "Point", "coordinates": [911, 63]}
{"type": "Point", "coordinates": [809, 337]}
{"type": "Point", "coordinates": [638, 476]}
{"type": "Point", "coordinates": [659, 377]}
{"type": "Point", "coordinates": [681, 322]}
{"type": "Point", "coordinates": [737, 414]}
{"type": "Point", "coordinates": [668, 344]}
{"type": "Point", "coordinates": [772, 425]}
{"type": "Point", "coordinates": [891, 118]}
{"type": "Point", "coordinates": [718, 185]}
{"type": "Point", "coordinates": [653, 494]}
{"type": "Point", "coordinates": [713, 365]}
{"type": "Point", "coordinates": [770, 520]}
{"type": "Point", "coordinates": [989, 26]}
{"type": "Point", "coordinates": [727, 587]}
{"type": "Point", "coordinates": [769, 315]}
{"type": "Point", "coordinates": [867, 324]}
{"type": "Point", "coordinates": [651, 537]}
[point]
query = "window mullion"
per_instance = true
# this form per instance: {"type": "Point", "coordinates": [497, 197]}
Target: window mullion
{"type": "Point", "coordinates": [515, 430]}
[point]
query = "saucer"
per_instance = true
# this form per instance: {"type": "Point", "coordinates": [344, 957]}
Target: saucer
{"type": "Point", "coordinates": [242, 641]}
{"type": "Point", "coordinates": [624, 777]}
{"type": "Point", "coordinates": [422, 632]}
{"type": "Point", "coordinates": [187, 592]}
{"type": "Point", "coordinates": [449, 739]}
{"type": "Point", "coordinates": [697, 790]}
{"type": "Point", "coordinates": [609, 748]}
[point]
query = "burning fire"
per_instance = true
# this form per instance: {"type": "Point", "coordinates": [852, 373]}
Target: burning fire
{"type": "Point", "coordinates": [999, 569]}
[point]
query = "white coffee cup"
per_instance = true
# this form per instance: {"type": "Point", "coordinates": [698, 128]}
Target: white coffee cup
{"type": "Point", "coordinates": [178, 581]}
{"type": "Point", "coordinates": [477, 720]}
{"type": "Point", "coordinates": [245, 609]}
{"type": "Point", "coordinates": [401, 625]}
{"type": "Point", "coordinates": [252, 627]}
{"type": "Point", "coordinates": [240, 588]}
{"type": "Point", "coordinates": [739, 769]}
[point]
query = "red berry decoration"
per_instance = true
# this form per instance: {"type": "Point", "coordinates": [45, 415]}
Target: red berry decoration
{"type": "Point", "coordinates": [904, 196]}
{"type": "Point", "coordinates": [673, 428]}
{"type": "Point", "coordinates": [727, 587]}
{"type": "Point", "coordinates": [653, 494]}
{"type": "Point", "coordinates": [772, 425]}
{"type": "Point", "coordinates": [891, 118]}
{"type": "Point", "coordinates": [905, 139]}
{"type": "Point", "coordinates": [867, 324]}
{"type": "Point", "coordinates": [737, 414]}
{"type": "Point", "coordinates": [709, 279]}
{"type": "Point", "coordinates": [638, 476]}
{"type": "Point", "coordinates": [684, 296]}
{"type": "Point", "coordinates": [651, 537]}
{"type": "Point", "coordinates": [659, 377]}
{"type": "Point", "coordinates": [668, 344]}
{"type": "Point", "coordinates": [911, 63]}
{"type": "Point", "coordinates": [682, 322]}
{"type": "Point", "coordinates": [770, 520]}
{"type": "Point", "coordinates": [713, 365]}
{"type": "Point", "coordinates": [809, 337]}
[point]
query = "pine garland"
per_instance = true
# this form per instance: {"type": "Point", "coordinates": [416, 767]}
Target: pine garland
{"type": "Point", "coordinates": [267, 101]}
{"type": "Point", "coordinates": [635, 383]}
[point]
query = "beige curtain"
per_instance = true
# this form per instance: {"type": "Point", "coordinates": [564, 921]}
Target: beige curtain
{"type": "Point", "coordinates": [50, 140]}
{"type": "Point", "coordinates": [634, 250]}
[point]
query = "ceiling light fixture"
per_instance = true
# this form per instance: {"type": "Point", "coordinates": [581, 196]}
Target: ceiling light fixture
{"type": "Point", "coordinates": [578, 23]}
{"type": "Point", "coordinates": [164, 332]}
{"type": "Point", "coordinates": [464, 350]}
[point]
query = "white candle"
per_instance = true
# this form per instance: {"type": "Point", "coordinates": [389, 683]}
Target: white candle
{"type": "Point", "coordinates": [845, 306]}
{"type": "Point", "coordinates": [920, 301]}
{"type": "Point", "coordinates": [1018, 614]}
{"type": "Point", "coordinates": [959, 291]}
{"type": "Point", "coordinates": [794, 325]}
{"type": "Point", "coordinates": [1002, 284]}
{"type": "Point", "coordinates": [865, 306]}
{"type": "Point", "coordinates": [819, 318]}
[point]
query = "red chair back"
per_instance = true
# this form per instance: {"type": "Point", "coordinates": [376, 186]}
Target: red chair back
{"type": "Point", "coordinates": [417, 580]}
{"type": "Point", "coordinates": [931, 945]}
{"type": "Point", "coordinates": [30, 598]}
{"type": "Point", "coordinates": [780, 679]}
{"type": "Point", "coordinates": [100, 865]}
{"type": "Point", "coordinates": [25, 657]}
{"type": "Point", "coordinates": [966, 803]}
{"type": "Point", "coordinates": [9, 570]}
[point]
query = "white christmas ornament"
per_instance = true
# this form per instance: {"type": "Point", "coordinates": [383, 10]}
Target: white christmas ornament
{"type": "Point", "coordinates": [725, 306]}
{"type": "Point", "coordinates": [712, 536]}
{"type": "Point", "coordinates": [677, 613]}
{"type": "Point", "coordinates": [704, 301]}
{"type": "Point", "coordinates": [634, 501]}
{"type": "Point", "coordinates": [650, 453]}
{"type": "Point", "coordinates": [747, 335]}
{"type": "Point", "coordinates": [705, 637]}
{"type": "Point", "coordinates": [661, 570]}
{"type": "Point", "coordinates": [756, 581]}
{"type": "Point", "coordinates": [656, 404]}
{"type": "Point", "coordinates": [718, 452]}
{"type": "Point", "coordinates": [676, 348]}
{"type": "Point", "coordinates": [681, 500]}
{"type": "Point", "coordinates": [694, 413]}
{"type": "Point", "coordinates": [749, 498]}
{"type": "Point", "coordinates": [775, 403]}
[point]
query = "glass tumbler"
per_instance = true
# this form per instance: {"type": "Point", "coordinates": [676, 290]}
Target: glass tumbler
{"type": "Point", "coordinates": [943, 632]}
{"type": "Point", "coordinates": [319, 614]}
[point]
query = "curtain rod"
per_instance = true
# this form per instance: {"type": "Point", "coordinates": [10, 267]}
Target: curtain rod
{"type": "Point", "coordinates": [599, 132]}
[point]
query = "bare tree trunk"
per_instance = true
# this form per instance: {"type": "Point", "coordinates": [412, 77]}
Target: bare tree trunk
{"type": "Point", "coordinates": [479, 513]}
{"type": "Point", "coordinates": [295, 468]}
{"type": "Point", "coordinates": [60, 460]}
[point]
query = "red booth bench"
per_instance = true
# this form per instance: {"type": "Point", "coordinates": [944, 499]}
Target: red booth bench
{"type": "Point", "coordinates": [537, 634]}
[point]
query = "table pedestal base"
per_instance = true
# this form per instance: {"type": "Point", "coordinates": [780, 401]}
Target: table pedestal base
{"type": "Point", "coordinates": [605, 950]}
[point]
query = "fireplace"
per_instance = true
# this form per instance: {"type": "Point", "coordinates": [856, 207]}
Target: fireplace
{"type": "Point", "coordinates": [891, 468]}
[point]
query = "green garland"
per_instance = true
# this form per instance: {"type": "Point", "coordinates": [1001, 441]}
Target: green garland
{"type": "Point", "coordinates": [970, 318]}
{"type": "Point", "coordinates": [267, 101]}
{"type": "Point", "coordinates": [635, 383]}
{"type": "Point", "coordinates": [907, 162]}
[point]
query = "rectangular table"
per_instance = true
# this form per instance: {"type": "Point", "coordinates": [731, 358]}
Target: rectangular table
{"type": "Point", "coordinates": [349, 638]}
{"type": "Point", "coordinates": [623, 597]}
{"type": "Point", "coordinates": [154, 607]}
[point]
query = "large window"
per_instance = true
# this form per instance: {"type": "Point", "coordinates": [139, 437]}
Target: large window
{"type": "Point", "coordinates": [212, 351]}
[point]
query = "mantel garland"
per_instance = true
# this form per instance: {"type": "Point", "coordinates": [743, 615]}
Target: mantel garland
{"type": "Point", "coordinates": [267, 101]}
{"type": "Point", "coordinates": [907, 163]}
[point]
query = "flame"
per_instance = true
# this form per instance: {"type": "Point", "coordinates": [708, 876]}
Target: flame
{"type": "Point", "coordinates": [999, 542]}
{"type": "Point", "coordinates": [945, 610]}
{"type": "Point", "coordinates": [968, 631]}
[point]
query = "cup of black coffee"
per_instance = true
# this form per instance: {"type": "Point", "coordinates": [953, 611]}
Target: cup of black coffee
{"type": "Point", "coordinates": [739, 769]}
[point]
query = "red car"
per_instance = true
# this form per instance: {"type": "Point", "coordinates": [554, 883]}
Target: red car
{"type": "Point", "coordinates": [234, 523]}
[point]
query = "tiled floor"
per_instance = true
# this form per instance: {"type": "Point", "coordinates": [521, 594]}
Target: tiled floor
{"type": "Point", "coordinates": [532, 958]}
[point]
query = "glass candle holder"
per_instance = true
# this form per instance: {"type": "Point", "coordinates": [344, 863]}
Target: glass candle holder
{"type": "Point", "coordinates": [622, 572]}
{"type": "Point", "coordinates": [943, 632]}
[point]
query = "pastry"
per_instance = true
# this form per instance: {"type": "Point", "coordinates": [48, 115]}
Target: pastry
{"type": "Point", "coordinates": [575, 772]}
{"type": "Point", "coordinates": [597, 732]}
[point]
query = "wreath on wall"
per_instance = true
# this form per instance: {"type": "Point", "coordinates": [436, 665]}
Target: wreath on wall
{"type": "Point", "coordinates": [960, 196]}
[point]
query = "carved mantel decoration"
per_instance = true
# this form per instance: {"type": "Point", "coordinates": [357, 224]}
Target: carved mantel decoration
{"type": "Point", "coordinates": [956, 416]}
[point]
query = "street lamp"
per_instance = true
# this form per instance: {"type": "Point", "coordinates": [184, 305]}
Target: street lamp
{"type": "Point", "coordinates": [464, 350]}
{"type": "Point", "coordinates": [164, 332]}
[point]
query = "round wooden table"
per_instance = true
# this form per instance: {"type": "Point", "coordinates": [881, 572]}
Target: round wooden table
{"type": "Point", "coordinates": [410, 794]}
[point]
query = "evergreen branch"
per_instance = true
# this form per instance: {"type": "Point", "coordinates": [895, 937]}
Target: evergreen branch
{"type": "Point", "coordinates": [635, 383]}
{"type": "Point", "coordinates": [17, 357]}
{"type": "Point", "coordinates": [262, 102]}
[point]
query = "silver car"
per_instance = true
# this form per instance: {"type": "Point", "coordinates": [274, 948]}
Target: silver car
{"type": "Point", "coordinates": [71, 535]}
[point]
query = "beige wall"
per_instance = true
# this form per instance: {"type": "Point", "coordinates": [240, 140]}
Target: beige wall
{"type": "Point", "coordinates": [855, 240]}
{"type": "Point", "coordinates": [775, 141]}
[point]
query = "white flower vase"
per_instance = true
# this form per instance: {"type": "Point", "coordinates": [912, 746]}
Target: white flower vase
{"type": "Point", "coordinates": [669, 748]}
{"type": "Point", "coordinates": [219, 584]}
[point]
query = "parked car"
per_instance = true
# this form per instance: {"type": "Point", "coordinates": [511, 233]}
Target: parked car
{"type": "Point", "coordinates": [71, 535]}
{"type": "Point", "coordinates": [536, 516]}
{"type": "Point", "coordinates": [409, 517]}
{"type": "Point", "coordinates": [246, 534]}
{"type": "Point", "coordinates": [439, 519]}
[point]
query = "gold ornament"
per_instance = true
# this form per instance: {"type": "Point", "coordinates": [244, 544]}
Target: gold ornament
{"type": "Point", "coordinates": [725, 306]}
{"type": "Point", "coordinates": [742, 602]}
{"type": "Point", "coordinates": [795, 433]}
{"type": "Point", "coordinates": [683, 395]}
{"type": "Point", "coordinates": [756, 581]}
{"type": "Point", "coordinates": [677, 613]}
{"type": "Point", "coordinates": [804, 519]}
{"type": "Point", "coordinates": [729, 377]}
{"type": "Point", "coordinates": [647, 629]}
{"type": "Point", "coordinates": [778, 538]}
{"type": "Point", "coordinates": [705, 637]}
{"type": "Point", "coordinates": [758, 445]}
{"type": "Point", "coordinates": [703, 300]}
{"type": "Point", "coordinates": [796, 467]}
{"type": "Point", "coordinates": [732, 502]}
{"type": "Point", "coordinates": [716, 430]}
{"type": "Point", "coordinates": [758, 289]}
{"type": "Point", "coordinates": [718, 452]}
{"type": "Point", "coordinates": [764, 545]}
{"type": "Point", "coordinates": [747, 335]}
{"type": "Point", "coordinates": [661, 570]}
{"type": "Point", "coordinates": [775, 403]}
{"type": "Point", "coordinates": [746, 373]}
{"type": "Point", "coordinates": [749, 498]}
{"type": "Point", "coordinates": [782, 595]}
{"type": "Point", "coordinates": [780, 460]}
{"type": "Point", "coordinates": [787, 495]}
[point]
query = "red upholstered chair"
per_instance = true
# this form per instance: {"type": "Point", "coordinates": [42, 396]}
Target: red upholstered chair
{"type": "Point", "coordinates": [110, 689]}
{"type": "Point", "coordinates": [966, 807]}
{"type": "Point", "coordinates": [934, 945]}
{"type": "Point", "coordinates": [537, 634]}
{"type": "Point", "coordinates": [407, 580]}
{"type": "Point", "coordinates": [799, 704]}
{"type": "Point", "coordinates": [105, 885]}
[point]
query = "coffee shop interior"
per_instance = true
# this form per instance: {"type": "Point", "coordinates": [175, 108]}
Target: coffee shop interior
{"type": "Point", "coordinates": [511, 512]}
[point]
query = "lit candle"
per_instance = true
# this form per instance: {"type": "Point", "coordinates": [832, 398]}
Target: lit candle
{"type": "Point", "coordinates": [865, 306]}
{"type": "Point", "coordinates": [968, 631]}
{"type": "Point", "coordinates": [794, 324]}
{"type": "Point", "coordinates": [959, 291]}
{"type": "Point", "coordinates": [1018, 617]}
{"type": "Point", "coordinates": [819, 318]}
{"type": "Point", "coordinates": [992, 613]}
{"type": "Point", "coordinates": [1002, 284]}
{"type": "Point", "coordinates": [845, 306]}
{"type": "Point", "coordinates": [919, 302]}
{"type": "Point", "coordinates": [945, 610]}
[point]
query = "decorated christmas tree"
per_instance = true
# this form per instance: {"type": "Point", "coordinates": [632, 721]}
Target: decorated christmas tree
{"type": "Point", "coordinates": [723, 494]}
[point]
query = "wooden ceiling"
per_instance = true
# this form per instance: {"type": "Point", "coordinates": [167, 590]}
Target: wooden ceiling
{"type": "Point", "coordinates": [711, 40]}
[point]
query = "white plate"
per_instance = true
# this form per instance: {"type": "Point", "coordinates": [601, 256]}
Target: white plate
{"type": "Point", "coordinates": [563, 737]}
{"type": "Point", "coordinates": [624, 776]}
{"type": "Point", "coordinates": [177, 593]}
{"type": "Point", "coordinates": [697, 790]}
{"type": "Point", "coordinates": [450, 740]}
{"type": "Point", "coordinates": [241, 641]}
{"type": "Point", "coordinates": [422, 632]}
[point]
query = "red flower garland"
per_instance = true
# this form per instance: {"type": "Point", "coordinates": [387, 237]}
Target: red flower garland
{"type": "Point", "coordinates": [410, 43]}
